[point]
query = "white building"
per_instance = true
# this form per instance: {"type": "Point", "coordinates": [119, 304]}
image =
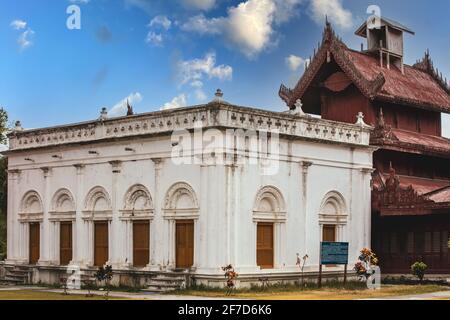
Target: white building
{"type": "Point", "coordinates": [111, 191]}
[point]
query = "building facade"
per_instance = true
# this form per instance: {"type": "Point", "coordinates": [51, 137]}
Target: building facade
{"type": "Point", "coordinates": [139, 193]}
{"type": "Point", "coordinates": [411, 180]}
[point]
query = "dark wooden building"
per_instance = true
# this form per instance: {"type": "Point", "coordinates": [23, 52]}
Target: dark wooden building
{"type": "Point", "coordinates": [411, 179]}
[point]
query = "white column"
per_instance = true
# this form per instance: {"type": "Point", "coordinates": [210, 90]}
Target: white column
{"type": "Point", "coordinates": [47, 234]}
{"type": "Point", "coordinates": [304, 221]}
{"type": "Point", "coordinates": [81, 241]}
{"type": "Point", "coordinates": [116, 236]}
{"type": "Point", "coordinates": [159, 247]}
{"type": "Point", "coordinates": [202, 224]}
{"type": "Point", "coordinates": [12, 223]}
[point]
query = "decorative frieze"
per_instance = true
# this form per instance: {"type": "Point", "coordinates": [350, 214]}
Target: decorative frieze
{"type": "Point", "coordinates": [207, 116]}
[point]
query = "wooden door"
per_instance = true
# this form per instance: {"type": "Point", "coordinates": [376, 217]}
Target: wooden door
{"type": "Point", "coordinates": [100, 243]}
{"type": "Point", "coordinates": [264, 245]}
{"type": "Point", "coordinates": [184, 242]}
{"type": "Point", "coordinates": [329, 233]}
{"type": "Point", "coordinates": [35, 235]}
{"type": "Point", "coordinates": [65, 243]}
{"type": "Point", "coordinates": [141, 241]}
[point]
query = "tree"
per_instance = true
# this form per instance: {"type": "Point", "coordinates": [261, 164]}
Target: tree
{"type": "Point", "coordinates": [3, 184]}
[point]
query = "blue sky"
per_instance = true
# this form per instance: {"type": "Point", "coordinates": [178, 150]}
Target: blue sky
{"type": "Point", "coordinates": [177, 52]}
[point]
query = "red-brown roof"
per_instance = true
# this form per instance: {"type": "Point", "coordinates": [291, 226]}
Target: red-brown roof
{"type": "Point", "coordinates": [422, 186]}
{"type": "Point", "coordinates": [413, 87]}
{"type": "Point", "coordinates": [420, 143]}
{"type": "Point", "coordinates": [419, 86]}
{"type": "Point", "coordinates": [439, 196]}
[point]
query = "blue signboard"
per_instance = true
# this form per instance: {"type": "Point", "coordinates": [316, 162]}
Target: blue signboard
{"type": "Point", "coordinates": [333, 253]}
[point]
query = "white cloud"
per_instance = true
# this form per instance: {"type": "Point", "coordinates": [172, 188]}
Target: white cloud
{"type": "Point", "coordinates": [18, 24]}
{"type": "Point", "coordinates": [200, 95]}
{"type": "Point", "coordinates": [446, 125]}
{"type": "Point", "coordinates": [160, 21]}
{"type": "Point", "coordinates": [286, 9]}
{"type": "Point", "coordinates": [155, 39]}
{"type": "Point", "coordinates": [294, 62]}
{"type": "Point", "coordinates": [120, 108]}
{"type": "Point", "coordinates": [177, 102]}
{"type": "Point", "coordinates": [203, 25]}
{"type": "Point", "coordinates": [24, 39]}
{"type": "Point", "coordinates": [334, 10]}
{"type": "Point", "coordinates": [193, 71]}
{"type": "Point", "coordinates": [199, 4]}
{"type": "Point", "coordinates": [249, 26]}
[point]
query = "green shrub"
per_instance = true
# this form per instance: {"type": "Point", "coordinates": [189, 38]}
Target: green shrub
{"type": "Point", "coordinates": [418, 269]}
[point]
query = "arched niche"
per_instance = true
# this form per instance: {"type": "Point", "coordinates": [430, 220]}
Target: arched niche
{"type": "Point", "coordinates": [181, 202]}
{"type": "Point", "coordinates": [63, 205]}
{"type": "Point", "coordinates": [97, 205]}
{"type": "Point", "coordinates": [269, 205]}
{"type": "Point", "coordinates": [31, 208]}
{"type": "Point", "coordinates": [138, 203]}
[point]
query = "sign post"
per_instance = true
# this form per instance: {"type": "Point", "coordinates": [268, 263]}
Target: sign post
{"type": "Point", "coordinates": [333, 253]}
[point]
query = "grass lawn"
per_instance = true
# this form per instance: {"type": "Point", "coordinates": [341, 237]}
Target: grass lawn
{"type": "Point", "coordinates": [29, 294]}
{"type": "Point", "coordinates": [330, 293]}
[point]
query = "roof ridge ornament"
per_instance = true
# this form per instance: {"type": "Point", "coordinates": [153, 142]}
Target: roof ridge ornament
{"type": "Point", "coordinates": [360, 120]}
{"type": "Point", "coordinates": [18, 126]}
{"type": "Point", "coordinates": [129, 109]}
{"type": "Point", "coordinates": [427, 65]}
{"type": "Point", "coordinates": [298, 111]}
{"type": "Point", "coordinates": [103, 114]}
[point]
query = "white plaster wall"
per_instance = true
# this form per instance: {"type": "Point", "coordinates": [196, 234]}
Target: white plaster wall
{"type": "Point", "coordinates": [225, 231]}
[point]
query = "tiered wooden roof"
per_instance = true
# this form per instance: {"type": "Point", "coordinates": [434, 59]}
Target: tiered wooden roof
{"type": "Point", "coordinates": [420, 86]}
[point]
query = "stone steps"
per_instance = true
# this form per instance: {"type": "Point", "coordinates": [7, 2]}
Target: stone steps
{"type": "Point", "coordinates": [166, 282]}
{"type": "Point", "coordinates": [17, 275]}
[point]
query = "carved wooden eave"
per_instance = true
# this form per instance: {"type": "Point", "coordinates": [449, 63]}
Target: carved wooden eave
{"type": "Point", "coordinates": [331, 45]}
{"type": "Point", "coordinates": [391, 199]}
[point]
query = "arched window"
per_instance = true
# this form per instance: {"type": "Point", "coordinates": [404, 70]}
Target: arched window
{"type": "Point", "coordinates": [138, 203]}
{"type": "Point", "coordinates": [269, 217]}
{"type": "Point", "coordinates": [97, 204]}
{"type": "Point", "coordinates": [333, 217]}
{"type": "Point", "coordinates": [31, 208]}
{"type": "Point", "coordinates": [181, 210]}
{"type": "Point", "coordinates": [63, 205]}
{"type": "Point", "coordinates": [181, 202]}
{"type": "Point", "coordinates": [269, 205]}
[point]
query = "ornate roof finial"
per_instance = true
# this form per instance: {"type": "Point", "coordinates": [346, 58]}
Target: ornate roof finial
{"type": "Point", "coordinates": [103, 114]}
{"type": "Point", "coordinates": [360, 119]}
{"type": "Point", "coordinates": [129, 109]}
{"type": "Point", "coordinates": [218, 95]}
{"type": "Point", "coordinates": [298, 108]}
{"type": "Point", "coordinates": [18, 126]}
